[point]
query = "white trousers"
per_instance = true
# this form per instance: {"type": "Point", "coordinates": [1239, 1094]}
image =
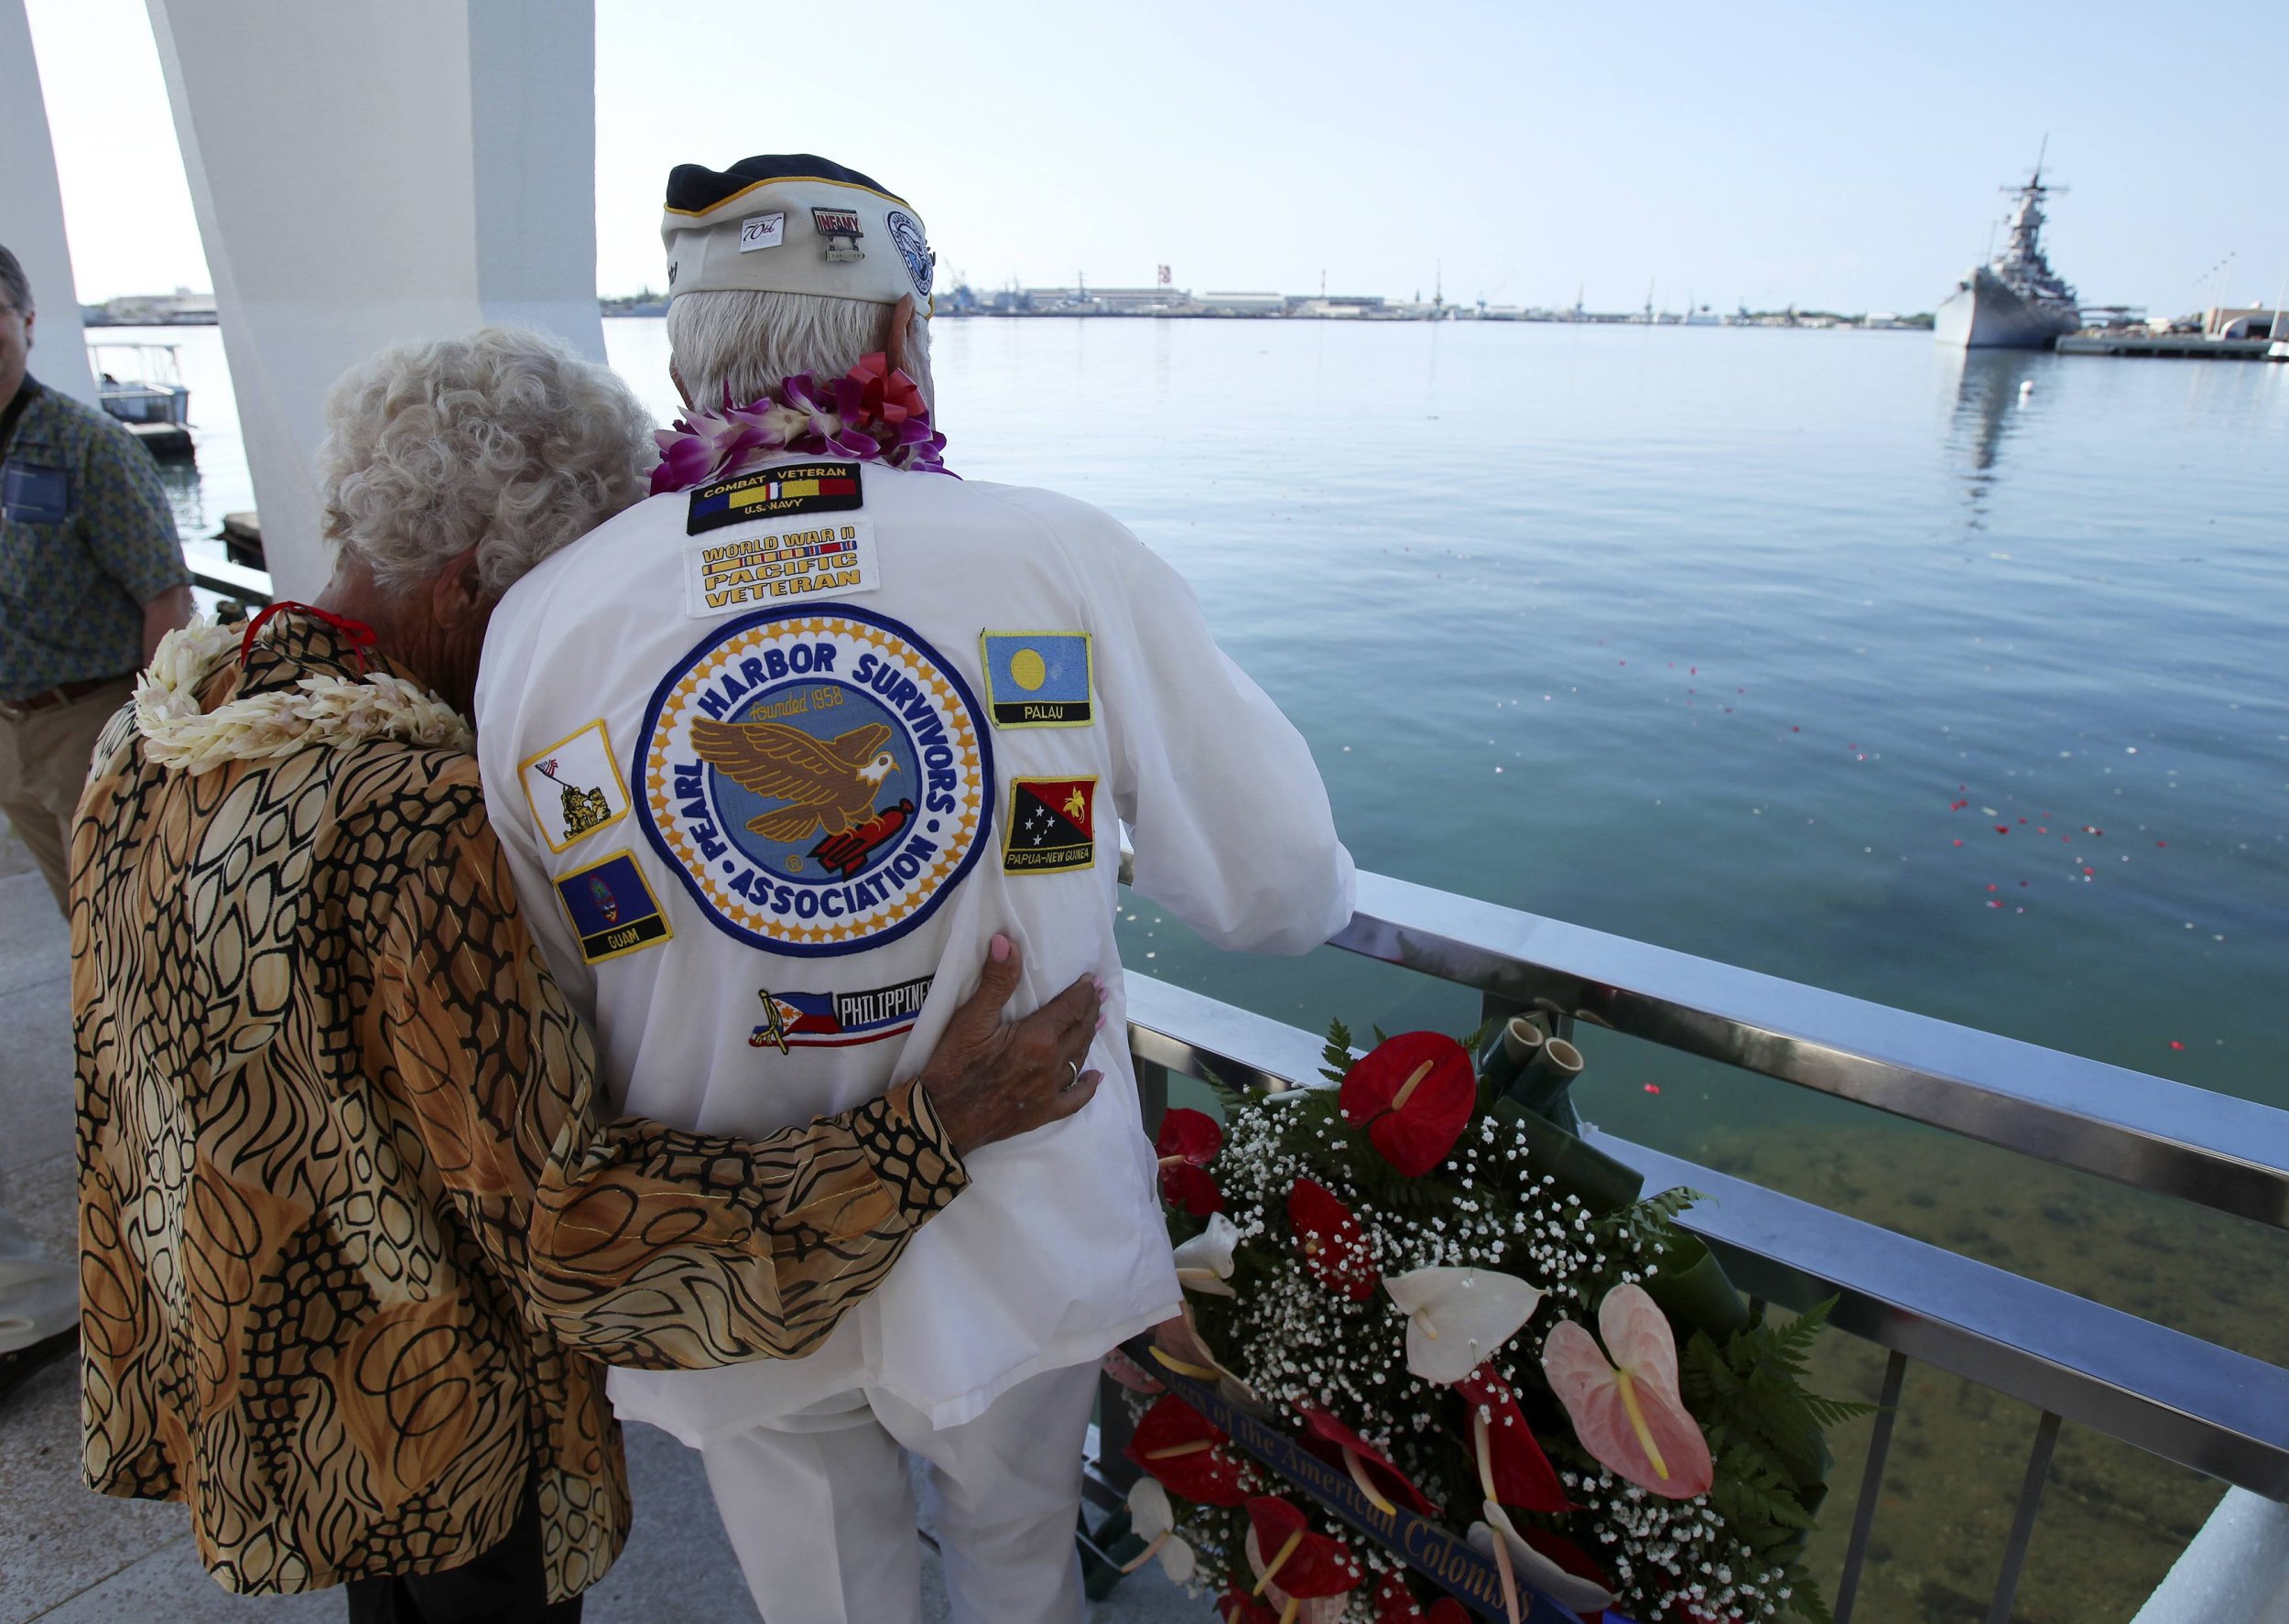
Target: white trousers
{"type": "Point", "coordinates": [820, 1510]}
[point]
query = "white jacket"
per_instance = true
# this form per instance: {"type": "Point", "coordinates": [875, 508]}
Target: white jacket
{"type": "Point", "coordinates": [748, 828]}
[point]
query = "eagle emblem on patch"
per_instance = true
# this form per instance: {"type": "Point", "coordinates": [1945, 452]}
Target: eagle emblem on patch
{"type": "Point", "coordinates": [819, 782]}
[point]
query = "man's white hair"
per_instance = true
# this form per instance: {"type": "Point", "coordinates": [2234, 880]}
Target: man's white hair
{"type": "Point", "coordinates": [504, 440]}
{"type": "Point", "coordinates": [746, 341]}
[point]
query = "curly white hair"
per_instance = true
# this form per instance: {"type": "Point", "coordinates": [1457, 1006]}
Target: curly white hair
{"type": "Point", "coordinates": [743, 343]}
{"type": "Point", "coordinates": [504, 440]}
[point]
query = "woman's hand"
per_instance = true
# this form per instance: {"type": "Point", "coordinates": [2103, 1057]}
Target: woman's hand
{"type": "Point", "coordinates": [990, 1079]}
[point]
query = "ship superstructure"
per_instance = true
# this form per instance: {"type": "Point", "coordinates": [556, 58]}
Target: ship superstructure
{"type": "Point", "coordinates": [2015, 302]}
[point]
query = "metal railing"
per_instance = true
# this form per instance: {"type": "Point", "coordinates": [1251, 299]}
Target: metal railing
{"type": "Point", "coordinates": [2166, 1392]}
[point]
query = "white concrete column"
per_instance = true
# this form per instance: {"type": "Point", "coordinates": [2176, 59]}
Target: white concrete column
{"type": "Point", "coordinates": [2235, 1572]}
{"type": "Point", "coordinates": [364, 175]}
{"type": "Point", "coordinates": [31, 212]}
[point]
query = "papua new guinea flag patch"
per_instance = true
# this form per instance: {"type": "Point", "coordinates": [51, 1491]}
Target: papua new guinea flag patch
{"type": "Point", "coordinates": [1052, 826]}
{"type": "Point", "coordinates": [779, 493]}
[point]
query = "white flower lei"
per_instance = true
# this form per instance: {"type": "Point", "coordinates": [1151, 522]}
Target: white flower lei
{"type": "Point", "coordinates": [318, 711]}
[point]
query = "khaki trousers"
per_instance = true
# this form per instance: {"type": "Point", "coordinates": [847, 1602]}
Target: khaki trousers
{"type": "Point", "coordinates": [43, 767]}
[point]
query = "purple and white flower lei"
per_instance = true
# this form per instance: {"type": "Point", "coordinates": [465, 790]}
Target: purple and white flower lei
{"type": "Point", "coordinates": [871, 414]}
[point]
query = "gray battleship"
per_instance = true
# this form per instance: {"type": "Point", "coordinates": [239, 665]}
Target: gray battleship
{"type": "Point", "coordinates": [2015, 302]}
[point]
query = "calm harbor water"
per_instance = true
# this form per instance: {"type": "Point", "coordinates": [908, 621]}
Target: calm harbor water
{"type": "Point", "coordinates": [1953, 684]}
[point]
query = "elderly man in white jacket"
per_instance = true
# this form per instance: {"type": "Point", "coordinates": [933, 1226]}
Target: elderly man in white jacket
{"type": "Point", "coordinates": [767, 750]}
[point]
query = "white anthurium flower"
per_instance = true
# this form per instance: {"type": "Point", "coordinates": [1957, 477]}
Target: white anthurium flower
{"type": "Point", "coordinates": [1204, 1262]}
{"type": "Point", "coordinates": [1517, 1559]}
{"type": "Point", "coordinates": [1457, 1320]}
{"type": "Point", "coordinates": [1153, 1520]}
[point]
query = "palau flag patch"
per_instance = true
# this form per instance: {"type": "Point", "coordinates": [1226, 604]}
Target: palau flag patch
{"type": "Point", "coordinates": [781, 492]}
{"type": "Point", "coordinates": [612, 908]}
{"type": "Point", "coordinates": [1037, 679]}
{"type": "Point", "coordinates": [1052, 826]}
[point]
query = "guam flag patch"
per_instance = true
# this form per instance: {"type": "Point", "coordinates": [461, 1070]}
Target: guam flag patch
{"type": "Point", "coordinates": [1037, 679]}
{"type": "Point", "coordinates": [1052, 826]}
{"type": "Point", "coordinates": [612, 908]}
{"type": "Point", "coordinates": [781, 492]}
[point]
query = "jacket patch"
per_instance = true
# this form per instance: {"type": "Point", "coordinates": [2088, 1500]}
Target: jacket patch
{"type": "Point", "coordinates": [612, 908]}
{"type": "Point", "coordinates": [574, 787]}
{"type": "Point", "coordinates": [1037, 679]}
{"type": "Point", "coordinates": [836, 1020]}
{"type": "Point", "coordinates": [832, 559]}
{"type": "Point", "coordinates": [1052, 826]}
{"type": "Point", "coordinates": [782, 492]}
{"type": "Point", "coordinates": [818, 781]}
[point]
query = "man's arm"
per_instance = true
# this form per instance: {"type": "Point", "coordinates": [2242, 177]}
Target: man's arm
{"type": "Point", "coordinates": [644, 1245]}
{"type": "Point", "coordinates": [163, 614]}
{"type": "Point", "coordinates": [128, 529]}
{"type": "Point", "coordinates": [1230, 821]}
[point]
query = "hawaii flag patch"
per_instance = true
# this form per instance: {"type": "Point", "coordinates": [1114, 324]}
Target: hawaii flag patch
{"type": "Point", "coordinates": [1052, 826]}
{"type": "Point", "coordinates": [574, 787]}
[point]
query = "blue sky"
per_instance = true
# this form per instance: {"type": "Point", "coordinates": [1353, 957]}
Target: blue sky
{"type": "Point", "coordinates": [1838, 156]}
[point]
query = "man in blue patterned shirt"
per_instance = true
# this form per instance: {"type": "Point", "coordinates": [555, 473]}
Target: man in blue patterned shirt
{"type": "Point", "coordinates": [91, 577]}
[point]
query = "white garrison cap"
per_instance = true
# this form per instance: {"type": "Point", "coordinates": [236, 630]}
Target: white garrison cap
{"type": "Point", "coordinates": [793, 223]}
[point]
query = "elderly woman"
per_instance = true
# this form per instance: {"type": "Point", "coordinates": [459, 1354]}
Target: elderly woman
{"type": "Point", "coordinates": [355, 1236]}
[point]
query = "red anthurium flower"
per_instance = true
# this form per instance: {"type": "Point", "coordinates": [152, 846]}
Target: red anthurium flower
{"type": "Point", "coordinates": [1377, 1478]}
{"type": "Point", "coordinates": [1512, 1467]}
{"type": "Point", "coordinates": [1413, 1095]}
{"type": "Point", "coordinates": [1188, 1142]}
{"type": "Point", "coordinates": [1287, 1554]}
{"type": "Point", "coordinates": [1187, 1452]}
{"type": "Point", "coordinates": [1334, 1244]}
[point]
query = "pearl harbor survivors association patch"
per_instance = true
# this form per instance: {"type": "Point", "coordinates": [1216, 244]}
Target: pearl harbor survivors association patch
{"type": "Point", "coordinates": [818, 781]}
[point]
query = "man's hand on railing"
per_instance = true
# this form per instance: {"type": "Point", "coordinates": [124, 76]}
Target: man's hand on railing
{"type": "Point", "coordinates": [988, 1080]}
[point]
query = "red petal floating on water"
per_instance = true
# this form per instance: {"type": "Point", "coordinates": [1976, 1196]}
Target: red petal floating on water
{"type": "Point", "coordinates": [1652, 1087]}
{"type": "Point", "coordinates": [2089, 870]}
{"type": "Point", "coordinates": [1994, 888]}
{"type": "Point", "coordinates": [2002, 829]}
{"type": "Point", "coordinates": [2162, 842]}
{"type": "Point", "coordinates": [1959, 842]}
{"type": "Point", "coordinates": [1795, 729]}
{"type": "Point", "coordinates": [2175, 1044]}
{"type": "Point", "coordinates": [1413, 1095]}
{"type": "Point", "coordinates": [1993, 904]}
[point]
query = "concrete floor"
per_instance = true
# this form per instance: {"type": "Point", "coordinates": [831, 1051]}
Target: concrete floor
{"type": "Point", "coordinates": [70, 1556]}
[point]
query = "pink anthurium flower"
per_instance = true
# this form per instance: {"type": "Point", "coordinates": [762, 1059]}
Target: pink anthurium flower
{"type": "Point", "coordinates": [1153, 1520]}
{"type": "Point", "coordinates": [1626, 1409]}
{"type": "Point", "coordinates": [1457, 1320]}
{"type": "Point", "coordinates": [1413, 1094]}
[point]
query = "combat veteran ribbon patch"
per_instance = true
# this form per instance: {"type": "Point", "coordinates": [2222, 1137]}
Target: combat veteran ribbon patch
{"type": "Point", "coordinates": [1037, 679]}
{"type": "Point", "coordinates": [817, 778]}
{"type": "Point", "coordinates": [1052, 826]}
{"type": "Point", "coordinates": [782, 492]}
{"type": "Point", "coordinates": [612, 908]}
{"type": "Point", "coordinates": [830, 560]}
{"type": "Point", "coordinates": [836, 1020]}
{"type": "Point", "coordinates": [574, 787]}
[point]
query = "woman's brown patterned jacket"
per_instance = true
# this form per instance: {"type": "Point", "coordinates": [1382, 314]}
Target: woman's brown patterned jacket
{"type": "Point", "coordinates": [352, 1236]}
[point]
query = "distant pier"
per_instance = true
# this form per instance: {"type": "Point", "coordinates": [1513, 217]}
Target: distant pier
{"type": "Point", "coordinates": [2179, 346]}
